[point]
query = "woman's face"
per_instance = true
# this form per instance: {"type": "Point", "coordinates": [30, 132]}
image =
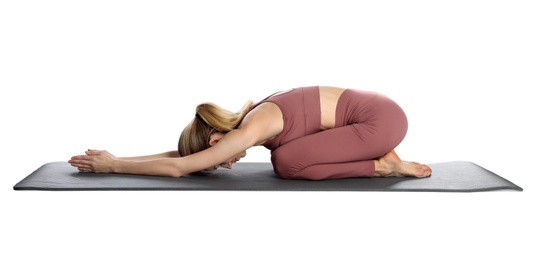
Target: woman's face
{"type": "Point", "coordinates": [214, 139]}
{"type": "Point", "coordinates": [228, 163]}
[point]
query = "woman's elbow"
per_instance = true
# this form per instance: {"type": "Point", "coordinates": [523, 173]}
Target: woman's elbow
{"type": "Point", "coordinates": [175, 173]}
{"type": "Point", "coordinates": [173, 169]}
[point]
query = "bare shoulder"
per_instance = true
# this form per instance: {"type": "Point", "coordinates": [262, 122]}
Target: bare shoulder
{"type": "Point", "coordinates": [265, 121]}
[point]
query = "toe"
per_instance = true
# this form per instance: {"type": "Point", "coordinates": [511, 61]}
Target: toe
{"type": "Point", "coordinates": [427, 170]}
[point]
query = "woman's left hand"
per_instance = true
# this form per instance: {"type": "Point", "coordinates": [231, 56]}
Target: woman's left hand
{"type": "Point", "coordinates": [94, 161]}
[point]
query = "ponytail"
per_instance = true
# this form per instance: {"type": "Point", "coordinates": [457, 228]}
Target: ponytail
{"type": "Point", "coordinates": [210, 118]}
{"type": "Point", "coordinates": [221, 119]}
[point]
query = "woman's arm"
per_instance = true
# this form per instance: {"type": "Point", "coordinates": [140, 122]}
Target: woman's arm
{"type": "Point", "coordinates": [231, 144]}
{"type": "Point", "coordinates": [102, 161]}
{"type": "Point", "coordinates": [168, 167]}
{"type": "Point", "coordinates": [170, 154]}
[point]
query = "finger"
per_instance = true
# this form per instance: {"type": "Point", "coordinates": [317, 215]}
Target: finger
{"type": "Point", "coordinates": [81, 165]}
{"type": "Point", "coordinates": [82, 160]}
{"type": "Point", "coordinates": [80, 157]}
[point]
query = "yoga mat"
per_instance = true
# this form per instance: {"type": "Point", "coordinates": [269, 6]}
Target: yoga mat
{"type": "Point", "coordinates": [457, 176]}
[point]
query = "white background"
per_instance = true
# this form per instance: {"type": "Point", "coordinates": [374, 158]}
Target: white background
{"type": "Point", "coordinates": [126, 75]}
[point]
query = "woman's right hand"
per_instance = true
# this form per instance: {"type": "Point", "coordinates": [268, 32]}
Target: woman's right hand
{"type": "Point", "coordinates": [94, 161]}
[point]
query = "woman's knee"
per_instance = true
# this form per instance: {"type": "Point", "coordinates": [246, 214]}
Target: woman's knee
{"type": "Point", "coordinates": [395, 119]}
{"type": "Point", "coordinates": [390, 126]}
{"type": "Point", "coordinates": [283, 164]}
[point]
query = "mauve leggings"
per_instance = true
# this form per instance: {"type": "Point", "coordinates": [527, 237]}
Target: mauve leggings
{"type": "Point", "coordinates": [367, 126]}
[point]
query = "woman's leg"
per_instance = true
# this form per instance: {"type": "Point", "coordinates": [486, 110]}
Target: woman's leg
{"type": "Point", "coordinates": [371, 125]}
{"type": "Point", "coordinates": [331, 154]}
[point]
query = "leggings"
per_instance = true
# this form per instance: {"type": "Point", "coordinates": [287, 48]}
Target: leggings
{"type": "Point", "coordinates": [367, 126]}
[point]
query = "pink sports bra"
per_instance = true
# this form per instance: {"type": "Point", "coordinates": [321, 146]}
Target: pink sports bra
{"type": "Point", "coordinates": [301, 114]}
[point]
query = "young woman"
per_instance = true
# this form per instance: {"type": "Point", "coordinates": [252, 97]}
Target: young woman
{"type": "Point", "coordinates": [313, 133]}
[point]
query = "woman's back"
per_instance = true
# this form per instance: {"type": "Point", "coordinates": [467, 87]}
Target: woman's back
{"type": "Point", "coordinates": [294, 113]}
{"type": "Point", "coordinates": [329, 96]}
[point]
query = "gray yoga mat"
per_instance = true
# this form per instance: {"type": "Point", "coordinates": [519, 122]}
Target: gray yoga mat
{"type": "Point", "coordinates": [457, 176]}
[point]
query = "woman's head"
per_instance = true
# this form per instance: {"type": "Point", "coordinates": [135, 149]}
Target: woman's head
{"type": "Point", "coordinates": [210, 118]}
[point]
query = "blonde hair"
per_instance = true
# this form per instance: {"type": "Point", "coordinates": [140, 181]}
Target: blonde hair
{"type": "Point", "coordinates": [209, 118]}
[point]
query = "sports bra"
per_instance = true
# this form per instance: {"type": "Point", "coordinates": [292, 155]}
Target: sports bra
{"type": "Point", "coordinates": [301, 114]}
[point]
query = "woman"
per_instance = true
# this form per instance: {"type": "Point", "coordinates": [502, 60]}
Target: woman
{"type": "Point", "coordinates": [313, 133]}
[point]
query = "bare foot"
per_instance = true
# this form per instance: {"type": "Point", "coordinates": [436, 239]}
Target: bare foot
{"type": "Point", "coordinates": [390, 165]}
